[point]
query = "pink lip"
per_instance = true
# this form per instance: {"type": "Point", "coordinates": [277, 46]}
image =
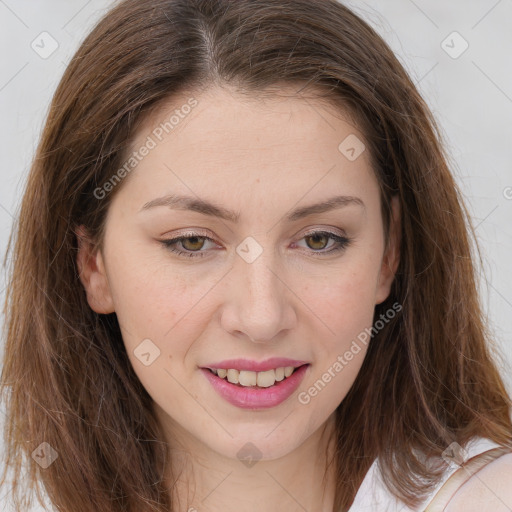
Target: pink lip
{"type": "Point", "coordinates": [255, 366]}
{"type": "Point", "coordinates": [255, 397]}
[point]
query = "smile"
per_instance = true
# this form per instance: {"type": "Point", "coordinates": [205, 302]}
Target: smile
{"type": "Point", "coordinates": [248, 378]}
{"type": "Point", "coordinates": [255, 390]}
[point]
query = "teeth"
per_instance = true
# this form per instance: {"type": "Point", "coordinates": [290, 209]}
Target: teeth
{"type": "Point", "coordinates": [233, 376]}
{"type": "Point", "coordinates": [288, 371]}
{"type": "Point", "coordinates": [266, 379]}
{"type": "Point", "coordinates": [262, 379]}
{"type": "Point", "coordinates": [246, 378]}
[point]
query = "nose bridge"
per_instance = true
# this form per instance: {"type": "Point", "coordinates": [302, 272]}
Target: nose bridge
{"type": "Point", "coordinates": [261, 280]}
{"type": "Point", "coordinates": [261, 307]}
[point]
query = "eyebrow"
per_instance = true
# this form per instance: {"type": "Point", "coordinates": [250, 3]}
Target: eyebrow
{"type": "Point", "coordinates": [180, 202]}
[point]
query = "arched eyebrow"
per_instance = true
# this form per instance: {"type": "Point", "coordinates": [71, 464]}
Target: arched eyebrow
{"type": "Point", "coordinates": [195, 204]}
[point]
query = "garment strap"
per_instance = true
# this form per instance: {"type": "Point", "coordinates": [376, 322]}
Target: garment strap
{"type": "Point", "coordinates": [462, 475]}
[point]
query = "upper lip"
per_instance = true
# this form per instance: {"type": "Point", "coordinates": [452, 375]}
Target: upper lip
{"type": "Point", "coordinates": [255, 366]}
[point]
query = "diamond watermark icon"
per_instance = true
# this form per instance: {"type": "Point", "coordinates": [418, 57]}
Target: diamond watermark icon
{"type": "Point", "coordinates": [454, 45]}
{"type": "Point", "coordinates": [455, 455]}
{"type": "Point", "coordinates": [352, 147]}
{"type": "Point", "coordinates": [44, 45]}
{"type": "Point", "coordinates": [45, 455]}
{"type": "Point", "coordinates": [249, 455]}
{"type": "Point", "coordinates": [249, 249]}
{"type": "Point", "coordinates": [147, 352]}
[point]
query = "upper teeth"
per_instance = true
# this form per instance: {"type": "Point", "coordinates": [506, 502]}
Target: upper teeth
{"type": "Point", "coordinates": [247, 378]}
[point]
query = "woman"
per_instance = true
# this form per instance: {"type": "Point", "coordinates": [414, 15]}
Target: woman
{"type": "Point", "coordinates": [176, 337]}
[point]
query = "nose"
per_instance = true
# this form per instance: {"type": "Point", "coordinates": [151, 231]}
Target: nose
{"type": "Point", "coordinates": [258, 302]}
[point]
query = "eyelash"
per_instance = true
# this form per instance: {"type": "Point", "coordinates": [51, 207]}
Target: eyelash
{"type": "Point", "coordinates": [169, 244]}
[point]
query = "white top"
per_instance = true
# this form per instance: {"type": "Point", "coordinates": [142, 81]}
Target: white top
{"type": "Point", "coordinates": [373, 495]}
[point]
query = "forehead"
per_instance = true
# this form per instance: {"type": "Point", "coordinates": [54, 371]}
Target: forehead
{"type": "Point", "coordinates": [286, 139]}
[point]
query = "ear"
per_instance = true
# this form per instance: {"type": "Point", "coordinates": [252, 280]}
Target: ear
{"type": "Point", "coordinates": [92, 274]}
{"type": "Point", "coordinates": [391, 256]}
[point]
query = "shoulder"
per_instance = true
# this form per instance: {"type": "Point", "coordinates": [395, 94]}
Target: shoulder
{"type": "Point", "coordinates": [488, 490]}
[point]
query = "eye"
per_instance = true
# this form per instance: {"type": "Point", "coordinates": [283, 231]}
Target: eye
{"type": "Point", "coordinates": [319, 240]}
{"type": "Point", "coordinates": [192, 243]}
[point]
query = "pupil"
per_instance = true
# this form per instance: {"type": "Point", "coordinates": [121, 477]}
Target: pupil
{"type": "Point", "coordinates": [194, 239]}
{"type": "Point", "coordinates": [316, 237]}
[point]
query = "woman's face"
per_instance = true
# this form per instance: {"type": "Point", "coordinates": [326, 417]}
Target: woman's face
{"type": "Point", "coordinates": [263, 273]}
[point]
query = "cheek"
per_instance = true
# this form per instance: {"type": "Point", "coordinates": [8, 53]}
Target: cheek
{"type": "Point", "coordinates": [149, 301]}
{"type": "Point", "coordinates": [160, 319]}
{"type": "Point", "coordinates": [345, 303]}
{"type": "Point", "coordinates": [346, 310]}
{"type": "Point", "coordinates": [346, 300]}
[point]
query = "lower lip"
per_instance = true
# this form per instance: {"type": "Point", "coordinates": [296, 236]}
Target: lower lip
{"type": "Point", "coordinates": [254, 397]}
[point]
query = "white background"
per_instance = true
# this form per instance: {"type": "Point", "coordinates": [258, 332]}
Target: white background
{"type": "Point", "coordinates": [471, 97]}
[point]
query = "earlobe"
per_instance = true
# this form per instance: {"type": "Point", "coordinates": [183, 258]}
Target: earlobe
{"type": "Point", "coordinates": [91, 271]}
{"type": "Point", "coordinates": [391, 257]}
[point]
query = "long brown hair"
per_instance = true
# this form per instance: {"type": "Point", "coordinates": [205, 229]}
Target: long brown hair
{"type": "Point", "coordinates": [429, 377]}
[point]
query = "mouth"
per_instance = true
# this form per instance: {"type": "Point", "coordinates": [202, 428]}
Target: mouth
{"type": "Point", "coordinates": [252, 379]}
{"type": "Point", "coordinates": [256, 390]}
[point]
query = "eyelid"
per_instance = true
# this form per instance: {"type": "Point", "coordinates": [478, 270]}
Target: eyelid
{"type": "Point", "coordinates": [201, 233]}
{"type": "Point", "coordinates": [333, 231]}
{"type": "Point", "coordinates": [340, 239]}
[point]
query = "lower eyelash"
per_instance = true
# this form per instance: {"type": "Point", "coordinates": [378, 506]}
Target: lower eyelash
{"type": "Point", "coordinates": [170, 243]}
{"type": "Point", "coordinates": [342, 241]}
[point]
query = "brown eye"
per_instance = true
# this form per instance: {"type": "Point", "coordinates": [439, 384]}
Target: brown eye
{"type": "Point", "coordinates": [196, 244]}
{"type": "Point", "coordinates": [192, 245]}
{"type": "Point", "coordinates": [319, 241]}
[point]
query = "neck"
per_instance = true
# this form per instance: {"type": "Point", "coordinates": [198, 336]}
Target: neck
{"type": "Point", "coordinates": [206, 481]}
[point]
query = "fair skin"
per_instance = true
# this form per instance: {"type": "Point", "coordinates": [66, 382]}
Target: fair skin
{"type": "Point", "coordinates": [261, 159]}
{"type": "Point", "coordinates": [248, 157]}
{"type": "Point", "coordinates": [488, 490]}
